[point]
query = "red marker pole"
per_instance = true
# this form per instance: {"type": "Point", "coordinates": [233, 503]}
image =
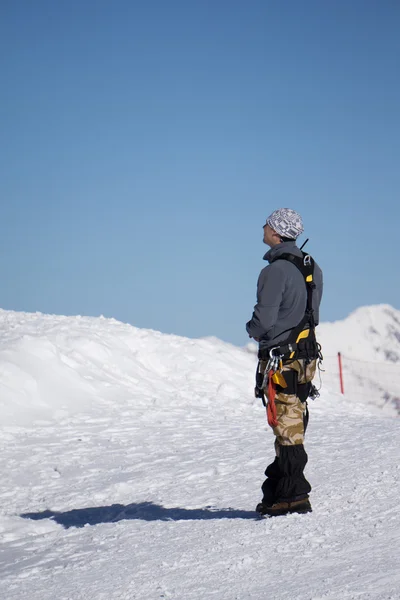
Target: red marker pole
{"type": "Point", "coordinates": [340, 373]}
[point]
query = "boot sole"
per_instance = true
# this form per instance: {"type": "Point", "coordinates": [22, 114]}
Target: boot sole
{"type": "Point", "coordinates": [289, 511]}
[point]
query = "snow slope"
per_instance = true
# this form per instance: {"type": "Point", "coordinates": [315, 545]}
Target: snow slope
{"type": "Point", "coordinates": [132, 462]}
{"type": "Point", "coordinates": [52, 366]}
{"type": "Point", "coordinates": [370, 333]}
{"type": "Point", "coordinates": [369, 340]}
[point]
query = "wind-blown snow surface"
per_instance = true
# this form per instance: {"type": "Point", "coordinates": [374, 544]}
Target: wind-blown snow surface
{"type": "Point", "coordinates": [131, 463]}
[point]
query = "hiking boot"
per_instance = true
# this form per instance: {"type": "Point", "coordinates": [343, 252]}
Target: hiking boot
{"type": "Point", "coordinates": [262, 509]}
{"type": "Point", "coordinates": [284, 508]}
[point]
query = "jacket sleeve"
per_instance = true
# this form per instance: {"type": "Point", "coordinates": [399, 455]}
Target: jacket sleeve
{"type": "Point", "coordinates": [270, 287]}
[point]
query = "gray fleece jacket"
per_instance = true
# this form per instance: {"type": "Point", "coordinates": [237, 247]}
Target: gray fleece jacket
{"type": "Point", "coordinates": [281, 297]}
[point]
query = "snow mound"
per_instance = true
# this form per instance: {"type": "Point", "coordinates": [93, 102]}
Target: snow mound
{"type": "Point", "coordinates": [52, 366]}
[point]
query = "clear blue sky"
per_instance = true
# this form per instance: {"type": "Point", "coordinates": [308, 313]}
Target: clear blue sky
{"type": "Point", "coordinates": [143, 145]}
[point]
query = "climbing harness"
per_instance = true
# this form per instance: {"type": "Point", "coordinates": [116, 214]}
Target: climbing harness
{"type": "Point", "coordinates": [301, 343]}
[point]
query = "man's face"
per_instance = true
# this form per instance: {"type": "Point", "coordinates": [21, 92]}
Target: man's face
{"type": "Point", "coordinates": [270, 236]}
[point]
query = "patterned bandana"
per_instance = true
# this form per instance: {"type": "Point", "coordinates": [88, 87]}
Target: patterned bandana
{"type": "Point", "coordinates": [287, 222]}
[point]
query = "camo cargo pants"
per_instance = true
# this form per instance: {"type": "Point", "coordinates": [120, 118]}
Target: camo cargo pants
{"type": "Point", "coordinates": [291, 411]}
{"type": "Point", "coordinates": [285, 479]}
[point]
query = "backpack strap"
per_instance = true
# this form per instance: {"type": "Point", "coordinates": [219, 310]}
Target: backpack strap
{"type": "Point", "coordinates": [305, 265]}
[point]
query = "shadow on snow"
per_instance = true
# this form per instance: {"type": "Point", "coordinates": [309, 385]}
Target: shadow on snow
{"type": "Point", "coordinates": [144, 511]}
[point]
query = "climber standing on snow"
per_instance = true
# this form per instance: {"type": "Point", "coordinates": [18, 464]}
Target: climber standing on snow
{"type": "Point", "coordinates": [289, 292]}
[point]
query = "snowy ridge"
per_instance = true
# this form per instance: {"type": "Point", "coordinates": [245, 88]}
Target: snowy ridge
{"type": "Point", "coordinates": [51, 366]}
{"type": "Point", "coordinates": [370, 333]}
{"type": "Point", "coordinates": [132, 462]}
{"type": "Point", "coordinates": [369, 340]}
{"type": "Point", "coordinates": [54, 365]}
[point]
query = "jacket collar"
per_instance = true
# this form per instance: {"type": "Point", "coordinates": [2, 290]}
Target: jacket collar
{"type": "Point", "coordinates": [283, 248]}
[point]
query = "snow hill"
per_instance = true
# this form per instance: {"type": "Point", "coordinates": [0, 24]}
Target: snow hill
{"type": "Point", "coordinates": [131, 464]}
{"type": "Point", "coordinates": [369, 340]}
{"type": "Point", "coordinates": [54, 366]}
{"type": "Point", "coordinates": [370, 333]}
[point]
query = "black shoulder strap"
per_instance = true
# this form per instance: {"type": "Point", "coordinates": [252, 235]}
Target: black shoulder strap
{"type": "Point", "coordinates": [305, 265]}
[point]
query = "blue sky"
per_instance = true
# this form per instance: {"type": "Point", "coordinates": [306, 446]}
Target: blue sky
{"type": "Point", "coordinates": [145, 143]}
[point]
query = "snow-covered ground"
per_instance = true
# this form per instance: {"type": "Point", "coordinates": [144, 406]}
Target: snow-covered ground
{"type": "Point", "coordinates": [131, 464]}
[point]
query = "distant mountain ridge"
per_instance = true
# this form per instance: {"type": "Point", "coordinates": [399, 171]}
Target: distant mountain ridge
{"type": "Point", "coordinates": [369, 341]}
{"type": "Point", "coordinates": [368, 333]}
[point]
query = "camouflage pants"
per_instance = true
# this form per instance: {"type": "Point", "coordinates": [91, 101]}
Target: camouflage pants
{"type": "Point", "coordinates": [285, 477]}
{"type": "Point", "coordinates": [290, 410]}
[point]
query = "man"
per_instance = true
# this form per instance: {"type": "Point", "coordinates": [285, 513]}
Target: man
{"type": "Point", "coordinates": [289, 292]}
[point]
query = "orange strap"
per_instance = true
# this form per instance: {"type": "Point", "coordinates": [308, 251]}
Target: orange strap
{"type": "Point", "coordinates": [271, 406]}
